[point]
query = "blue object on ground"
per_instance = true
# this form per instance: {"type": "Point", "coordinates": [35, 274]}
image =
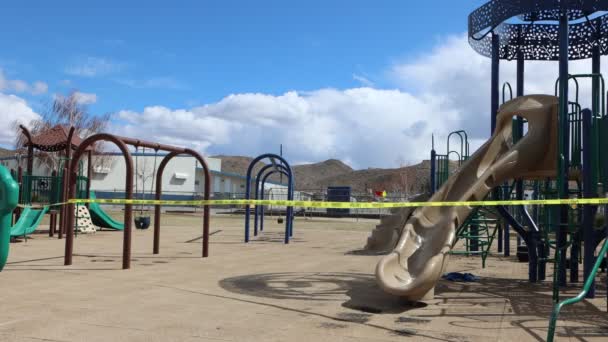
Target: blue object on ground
{"type": "Point", "coordinates": [457, 276]}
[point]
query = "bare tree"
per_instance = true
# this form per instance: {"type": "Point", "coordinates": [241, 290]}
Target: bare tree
{"type": "Point", "coordinates": [403, 182]}
{"type": "Point", "coordinates": [65, 111]}
{"type": "Point", "coordinates": [144, 172]}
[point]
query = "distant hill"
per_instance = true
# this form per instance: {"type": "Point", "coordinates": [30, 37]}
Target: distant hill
{"type": "Point", "coordinates": [333, 172]}
{"type": "Point", "coordinates": [411, 179]}
{"type": "Point", "coordinates": [6, 153]}
{"type": "Point", "coordinates": [310, 176]}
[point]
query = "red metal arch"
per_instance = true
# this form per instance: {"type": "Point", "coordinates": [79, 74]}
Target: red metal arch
{"type": "Point", "coordinates": [207, 191]}
{"type": "Point", "coordinates": [69, 241]}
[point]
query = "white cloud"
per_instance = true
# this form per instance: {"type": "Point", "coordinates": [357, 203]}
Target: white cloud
{"type": "Point", "coordinates": [454, 72]}
{"type": "Point", "coordinates": [85, 98]}
{"type": "Point", "coordinates": [363, 80]}
{"type": "Point", "coordinates": [368, 126]}
{"type": "Point", "coordinates": [20, 86]}
{"type": "Point", "coordinates": [39, 88]}
{"type": "Point", "coordinates": [155, 82]}
{"type": "Point", "coordinates": [13, 108]}
{"type": "Point", "coordinates": [93, 66]}
{"type": "Point", "coordinates": [446, 89]}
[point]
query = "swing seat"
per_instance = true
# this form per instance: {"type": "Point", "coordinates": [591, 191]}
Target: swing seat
{"type": "Point", "coordinates": [142, 222]}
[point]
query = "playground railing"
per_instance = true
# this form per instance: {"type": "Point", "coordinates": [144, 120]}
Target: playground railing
{"type": "Point", "coordinates": [588, 282]}
{"type": "Point", "coordinates": [39, 189]}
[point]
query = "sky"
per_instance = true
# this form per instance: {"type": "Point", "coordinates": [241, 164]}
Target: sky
{"type": "Point", "coordinates": [366, 82]}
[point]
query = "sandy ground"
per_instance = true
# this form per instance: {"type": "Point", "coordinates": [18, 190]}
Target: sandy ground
{"type": "Point", "coordinates": [319, 287]}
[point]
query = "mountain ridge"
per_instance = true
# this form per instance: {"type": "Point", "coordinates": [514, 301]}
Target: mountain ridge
{"type": "Point", "coordinates": [316, 177]}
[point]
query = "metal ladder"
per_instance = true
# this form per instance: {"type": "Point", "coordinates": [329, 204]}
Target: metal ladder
{"type": "Point", "coordinates": [478, 233]}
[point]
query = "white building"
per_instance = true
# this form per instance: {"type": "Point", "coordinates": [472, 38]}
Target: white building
{"type": "Point", "coordinates": [183, 177]}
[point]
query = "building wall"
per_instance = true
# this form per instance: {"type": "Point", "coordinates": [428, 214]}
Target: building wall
{"type": "Point", "coordinates": [214, 164]}
{"type": "Point", "coordinates": [12, 164]}
{"type": "Point", "coordinates": [183, 176]}
{"type": "Point", "coordinates": [178, 177]}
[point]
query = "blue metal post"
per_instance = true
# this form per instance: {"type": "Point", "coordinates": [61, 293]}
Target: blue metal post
{"type": "Point", "coordinates": [563, 138]}
{"type": "Point", "coordinates": [494, 97]}
{"type": "Point", "coordinates": [247, 195]}
{"type": "Point", "coordinates": [519, 131]}
{"type": "Point", "coordinates": [542, 253]}
{"type": "Point", "coordinates": [289, 217]}
{"type": "Point", "coordinates": [503, 244]}
{"type": "Point", "coordinates": [433, 171]}
{"type": "Point", "coordinates": [263, 186]}
{"type": "Point", "coordinates": [506, 231]}
{"type": "Point", "coordinates": [588, 233]}
{"type": "Point", "coordinates": [499, 237]}
{"type": "Point", "coordinates": [256, 210]}
{"type": "Point", "coordinates": [288, 228]}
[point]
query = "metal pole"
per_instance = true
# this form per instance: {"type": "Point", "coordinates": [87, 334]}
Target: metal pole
{"type": "Point", "coordinates": [506, 231]}
{"type": "Point", "coordinates": [588, 236]}
{"type": "Point", "coordinates": [519, 184]}
{"type": "Point", "coordinates": [494, 96]}
{"type": "Point", "coordinates": [563, 141]}
{"type": "Point", "coordinates": [89, 174]}
{"type": "Point", "coordinates": [52, 211]}
{"type": "Point", "coordinates": [69, 241]}
{"type": "Point", "coordinates": [596, 110]}
{"type": "Point", "coordinates": [157, 196]}
{"type": "Point", "coordinates": [433, 171]}
{"type": "Point", "coordinates": [494, 80]}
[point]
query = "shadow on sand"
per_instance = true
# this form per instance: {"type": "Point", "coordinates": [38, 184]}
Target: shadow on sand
{"type": "Point", "coordinates": [486, 304]}
{"type": "Point", "coordinates": [361, 290]}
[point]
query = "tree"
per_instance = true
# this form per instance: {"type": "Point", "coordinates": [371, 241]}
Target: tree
{"type": "Point", "coordinates": [144, 171]}
{"type": "Point", "coordinates": [403, 182]}
{"type": "Point", "coordinates": [67, 111]}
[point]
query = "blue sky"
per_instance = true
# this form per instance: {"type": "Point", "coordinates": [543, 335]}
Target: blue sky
{"type": "Point", "coordinates": [160, 62]}
{"type": "Point", "coordinates": [182, 52]}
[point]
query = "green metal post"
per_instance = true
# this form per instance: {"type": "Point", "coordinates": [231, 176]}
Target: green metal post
{"type": "Point", "coordinates": [588, 282]}
{"type": "Point", "coordinates": [9, 197]}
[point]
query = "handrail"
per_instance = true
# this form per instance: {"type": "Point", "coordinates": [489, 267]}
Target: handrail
{"type": "Point", "coordinates": [570, 77]}
{"type": "Point", "coordinates": [506, 86]}
{"type": "Point", "coordinates": [579, 297]}
{"type": "Point", "coordinates": [464, 142]}
{"type": "Point", "coordinates": [592, 76]}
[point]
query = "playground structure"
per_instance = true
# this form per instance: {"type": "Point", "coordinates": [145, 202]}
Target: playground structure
{"type": "Point", "coordinates": [50, 190]}
{"type": "Point", "coordinates": [545, 145]}
{"type": "Point", "coordinates": [479, 229]}
{"type": "Point", "coordinates": [100, 218]}
{"type": "Point", "coordinates": [430, 232]}
{"type": "Point", "coordinates": [277, 165]}
{"type": "Point", "coordinates": [121, 143]}
{"type": "Point", "coordinates": [9, 198]}
{"type": "Point", "coordinates": [47, 192]}
{"type": "Point", "coordinates": [38, 195]}
{"type": "Point", "coordinates": [555, 153]}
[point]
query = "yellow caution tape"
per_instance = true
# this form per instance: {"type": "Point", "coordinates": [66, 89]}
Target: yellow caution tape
{"type": "Point", "coordinates": [349, 205]}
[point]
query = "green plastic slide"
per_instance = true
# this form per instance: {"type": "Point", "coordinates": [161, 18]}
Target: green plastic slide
{"type": "Point", "coordinates": [101, 219]}
{"type": "Point", "coordinates": [28, 221]}
{"type": "Point", "coordinates": [9, 197]}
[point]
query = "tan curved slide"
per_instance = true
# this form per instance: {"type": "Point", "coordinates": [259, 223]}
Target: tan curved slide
{"type": "Point", "coordinates": [419, 259]}
{"type": "Point", "coordinates": [385, 236]}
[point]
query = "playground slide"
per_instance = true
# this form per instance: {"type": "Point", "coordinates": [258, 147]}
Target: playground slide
{"type": "Point", "coordinates": [101, 218]}
{"type": "Point", "coordinates": [420, 257]}
{"type": "Point", "coordinates": [28, 221]}
{"type": "Point", "coordinates": [9, 197]}
{"type": "Point", "coordinates": [385, 236]}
